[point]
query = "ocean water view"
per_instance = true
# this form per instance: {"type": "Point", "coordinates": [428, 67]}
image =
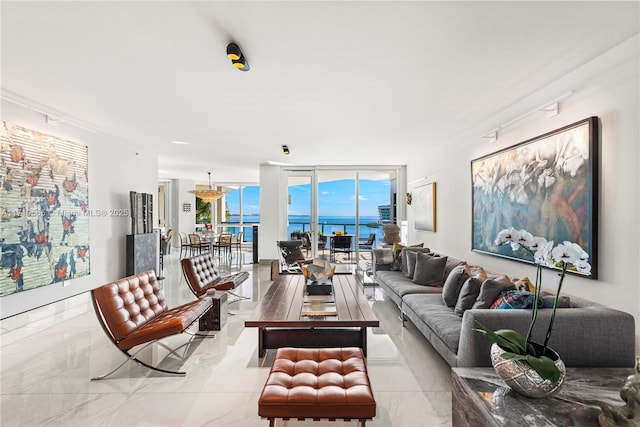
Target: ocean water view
{"type": "Point", "coordinates": [326, 225]}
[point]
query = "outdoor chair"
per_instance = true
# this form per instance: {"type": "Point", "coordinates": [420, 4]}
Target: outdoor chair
{"type": "Point", "coordinates": [367, 243]}
{"type": "Point", "coordinates": [306, 242]}
{"type": "Point", "coordinates": [340, 244]}
{"type": "Point", "coordinates": [291, 256]}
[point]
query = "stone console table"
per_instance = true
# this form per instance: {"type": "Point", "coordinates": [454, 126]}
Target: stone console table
{"type": "Point", "coordinates": [481, 398]}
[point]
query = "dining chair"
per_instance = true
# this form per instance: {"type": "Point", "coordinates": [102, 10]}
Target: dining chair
{"type": "Point", "coordinates": [223, 243]}
{"type": "Point", "coordinates": [237, 241]}
{"type": "Point", "coordinates": [197, 244]}
{"type": "Point", "coordinates": [185, 244]}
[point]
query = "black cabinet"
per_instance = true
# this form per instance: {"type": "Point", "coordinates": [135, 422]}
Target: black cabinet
{"type": "Point", "coordinates": [142, 253]}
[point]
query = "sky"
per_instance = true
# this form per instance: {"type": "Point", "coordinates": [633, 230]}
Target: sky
{"type": "Point", "coordinates": [336, 198]}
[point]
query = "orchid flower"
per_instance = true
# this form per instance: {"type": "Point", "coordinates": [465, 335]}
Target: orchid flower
{"type": "Point", "coordinates": [566, 253]}
{"type": "Point", "coordinates": [507, 235]}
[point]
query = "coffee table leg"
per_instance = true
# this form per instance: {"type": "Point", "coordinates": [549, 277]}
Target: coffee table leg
{"type": "Point", "coordinates": [261, 349]}
{"type": "Point", "coordinates": [363, 340]}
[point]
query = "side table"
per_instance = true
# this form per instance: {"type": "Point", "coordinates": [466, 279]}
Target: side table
{"type": "Point", "coordinates": [364, 272]}
{"type": "Point", "coordinates": [216, 317]}
{"type": "Point", "coordinates": [481, 398]}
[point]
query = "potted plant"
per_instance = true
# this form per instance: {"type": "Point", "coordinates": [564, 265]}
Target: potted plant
{"type": "Point", "coordinates": [510, 345]}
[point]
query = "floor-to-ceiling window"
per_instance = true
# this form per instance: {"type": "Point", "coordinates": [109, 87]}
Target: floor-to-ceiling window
{"type": "Point", "coordinates": [347, 201]}
{"type": "Point", "coordinates": [240, 209]}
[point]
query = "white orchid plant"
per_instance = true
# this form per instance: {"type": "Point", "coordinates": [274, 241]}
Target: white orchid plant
{"type": "Point", "coordinates": [566, 256]}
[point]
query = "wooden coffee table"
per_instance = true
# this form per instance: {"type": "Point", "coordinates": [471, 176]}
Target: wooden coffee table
{"type": "Point", "coordinates": [280, 323]}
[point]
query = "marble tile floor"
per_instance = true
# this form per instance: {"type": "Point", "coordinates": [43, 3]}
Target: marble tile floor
{"type": "Point", "coordinates": [49, 355]}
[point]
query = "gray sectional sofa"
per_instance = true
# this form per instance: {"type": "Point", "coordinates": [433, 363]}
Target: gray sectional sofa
{"type": "Point", "coordinates": [585, 334]}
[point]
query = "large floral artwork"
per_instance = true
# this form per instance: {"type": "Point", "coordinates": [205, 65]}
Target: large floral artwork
{"type": "Point", "coordinates": [547, 185]}
{"type": "Point", "coordinates": [44, 209]}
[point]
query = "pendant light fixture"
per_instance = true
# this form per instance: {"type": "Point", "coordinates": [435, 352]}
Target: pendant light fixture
{"type": "Point", "coordinates": [209, 195]}
{"type": "Point", "coordinates": [237, 58]}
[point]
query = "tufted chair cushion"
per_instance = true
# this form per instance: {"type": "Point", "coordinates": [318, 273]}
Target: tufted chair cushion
{"type": "Point", "coordinates": [202, 274]}
{"type": "Point", "coordinates": [318, 383]}
{"type": "Point", "coordinates": [134, 310]}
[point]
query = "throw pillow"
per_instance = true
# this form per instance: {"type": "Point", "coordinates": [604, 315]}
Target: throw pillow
{"type": "Point", "coordinates": [468, 295]}
{"type": "Point", "coordinates": [563, 302]}
{"type": "Point", "coordinates": [490, 291]}
{"type": "Point", "coordinates": [513, 298]}
{"type": "Point", "coordinates": [524, 285]}
{"type": "Point", "coordinates": [408, 250]}
{"type": "Point", "coordinates": [429, 270]}
{"type": "Point", "coordinates": [453, 284]}
{"type": "Point", "coordinates": [396, 251]}
{"type": "Point", "coordinates": [410, 264]}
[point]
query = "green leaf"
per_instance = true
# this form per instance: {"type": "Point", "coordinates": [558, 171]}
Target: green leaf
{"type": "Point", "coordinates": [507, 339]}
{"type": "Point", "coordinates": [513, 356]}
{"type": "Point", "coordinates": [515, 338]}
{"type": "Point", "coordinates": [544, 367]}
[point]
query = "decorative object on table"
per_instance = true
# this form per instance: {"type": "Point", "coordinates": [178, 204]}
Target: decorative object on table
{"type": "Point", "coordinates": [44, 236]}
{"type": "Point", "coordinates": [629, 414]}
{"type": "Point", "coordinates": [424, 198]}
{"type": "Point", "coordinates": [528, 368]}
{"type": "Point", "coordinates": [546, 184]}
{"type": "Point", "coordinates": [318, 276]}
{"type": "Point", "coordinates": [319, 308]}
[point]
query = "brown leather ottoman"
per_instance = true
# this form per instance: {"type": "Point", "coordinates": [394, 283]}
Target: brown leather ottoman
{"type": "Point", "coordinates": [327, 383]}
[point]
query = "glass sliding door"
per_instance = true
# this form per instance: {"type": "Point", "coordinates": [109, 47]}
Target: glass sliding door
{"type": "Point", "coordinates": [301, 219]}
{"type": "Point", "coordinates": [337, 214]}
{"type": "Point", "coordinates": [326, 202]}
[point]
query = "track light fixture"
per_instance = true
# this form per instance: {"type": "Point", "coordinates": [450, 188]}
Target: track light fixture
{"type": "Point", "coordinates": [285, 150]}
{"type": "Point", "coordinates": [237, 58]}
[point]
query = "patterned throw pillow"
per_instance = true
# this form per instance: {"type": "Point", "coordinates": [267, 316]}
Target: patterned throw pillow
{"type": "Point", "coordinates": [397, 254]}
{"type": "Point", "coordinates": [513, 298]}
{"type": "Point", "coordinates": [524, 285]}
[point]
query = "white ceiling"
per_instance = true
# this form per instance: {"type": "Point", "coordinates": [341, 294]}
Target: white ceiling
{"type": "Point", "coordinates": [340, 83]}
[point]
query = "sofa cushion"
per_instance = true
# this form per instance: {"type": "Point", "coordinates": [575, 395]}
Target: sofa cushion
{"type": "Point", "coordinates": [468, 294]}
{"type": "Point", "coordinates": [410, 266]}
{"type": "Point", "coordinates": [429, 270]}
{"type": "Point", "coordinates": [402, 286]}
{"type": "Point", "coordinates": [438, 317]}
{"type": "Point", "coordinates": [490, 291]}
{"type": "Point", "coordinates": [453, 284]}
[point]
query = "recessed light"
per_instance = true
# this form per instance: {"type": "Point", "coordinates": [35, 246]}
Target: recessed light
{"type": "Point", "coordinates": [180, 142]}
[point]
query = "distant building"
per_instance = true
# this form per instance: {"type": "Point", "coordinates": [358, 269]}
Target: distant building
{"type": "Point", "coordinates": [384, 213]}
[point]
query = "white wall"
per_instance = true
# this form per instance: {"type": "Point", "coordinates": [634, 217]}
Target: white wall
{"type": "Point", "coordinates": [607, 87]}
{"type": "Point", "coordinates": [115, 168]}
{"type": "Point", "coordinates": [271, 213]}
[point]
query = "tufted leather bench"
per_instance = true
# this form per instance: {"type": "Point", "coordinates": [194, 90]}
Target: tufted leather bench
{"type": "Point", "coordinates": [329, 383]}
{"type": "Point", "coordinates": [133, 311]}
{"type": "Point", "coordinates": [202, 274]}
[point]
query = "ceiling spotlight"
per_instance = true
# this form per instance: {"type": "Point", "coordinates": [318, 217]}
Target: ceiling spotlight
{"type": "Point", "coordinates": [285, 150]}
{"type": "Point", "coordinates": [237, 58]}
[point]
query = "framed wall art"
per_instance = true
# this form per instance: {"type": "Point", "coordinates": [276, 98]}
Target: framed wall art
{"type": "Point", "coordinates": [547, 185]}
{"type": "Point", "coordinates": [424, 200]}
{"type": "Point", "coordinates": [44, 209]}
